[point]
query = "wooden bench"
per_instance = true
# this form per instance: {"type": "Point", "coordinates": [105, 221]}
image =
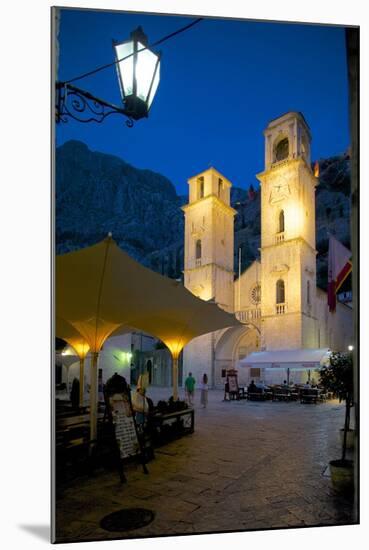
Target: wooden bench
{"type": "Point", "coordinates": [256, 396]}
{"type": "Point", "coordinates": [173, 425]}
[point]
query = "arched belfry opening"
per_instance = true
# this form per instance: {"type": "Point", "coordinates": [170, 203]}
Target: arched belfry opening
{"type": "Point", "coordinates": [198, 250]}
{"type": "Point", "coordinates": [201, 187]}
{"type": "Point", "coordinates": [281, 150]}
{"type": "Point", "coordinates": [280, 292]}
{"type": "Point", "coordinates": [281, 222]}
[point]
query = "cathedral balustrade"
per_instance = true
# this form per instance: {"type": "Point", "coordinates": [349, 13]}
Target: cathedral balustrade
{"type": "Point", "coordinates": [278, 163]}
{"type": "Point", "coordinates": [248, 315]}
{"type": "Point", "coordinates": [279, 238]}
{"type": "Point", "coordinates": [281, 308]}
{"type": "Point", "coordinates": [198, 262]}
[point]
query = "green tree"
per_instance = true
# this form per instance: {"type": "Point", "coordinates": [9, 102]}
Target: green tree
{"type": "Point", "coordinates": [338, 377]}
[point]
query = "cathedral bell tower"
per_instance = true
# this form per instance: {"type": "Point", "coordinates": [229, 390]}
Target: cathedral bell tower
{"type": "Point", "coordinates": [209, 241]}
{"type": "Point", "coordinates": [208, 260]}
{"type": "Point", "coordinates": [288, 255]}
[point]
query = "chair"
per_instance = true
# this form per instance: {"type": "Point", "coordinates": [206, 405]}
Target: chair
{"type": "Point", "coordinates": [309, 396]}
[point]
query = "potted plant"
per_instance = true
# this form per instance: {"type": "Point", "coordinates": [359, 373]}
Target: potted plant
{"type": "Point", "coordinates": [337, 377]}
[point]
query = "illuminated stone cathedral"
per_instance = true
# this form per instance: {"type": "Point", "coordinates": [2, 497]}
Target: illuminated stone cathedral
{"type": "Point", "coordinates": [276, 298]}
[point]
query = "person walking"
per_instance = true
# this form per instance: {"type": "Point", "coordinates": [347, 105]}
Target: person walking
{"type": "Point", "coordinates": [204, 391]}
{"type": "Point", "coordinates": [190, 388]}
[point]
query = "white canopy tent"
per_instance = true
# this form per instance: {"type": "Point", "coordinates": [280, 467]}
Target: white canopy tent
{"type": "Point", "coordinates": [101, 291]}
{"type": "Point", "coordinates": [287, 359]}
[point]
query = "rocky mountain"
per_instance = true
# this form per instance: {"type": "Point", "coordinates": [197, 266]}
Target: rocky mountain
{"type": "Point", "coordinates": [98, 193]}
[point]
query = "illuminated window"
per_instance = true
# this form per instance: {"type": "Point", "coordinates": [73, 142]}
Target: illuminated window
{"type": "Point", "coordinates": [281, 222]}
{"type": "Point", "coordinates": [200, 182]}
{"type": "Point", "coordinates": [198, 250]}
{"type": "Point", "coordinates": [282, 150]}
{"type": "Point", "coordinates": [280, 292]}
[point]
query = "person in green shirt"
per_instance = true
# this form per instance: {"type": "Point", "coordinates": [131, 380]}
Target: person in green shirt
{"type": "Point", "coordinates": [190, 388]}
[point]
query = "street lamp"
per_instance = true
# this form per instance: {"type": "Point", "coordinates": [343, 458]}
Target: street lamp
{"type": "Point", "coordinates": [138, 73]}
{"type": "Point", "coordinates": [138, 70]}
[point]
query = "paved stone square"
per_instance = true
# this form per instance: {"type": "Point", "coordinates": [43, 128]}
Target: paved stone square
{"type": "Point", "coordinates": [249, 465]}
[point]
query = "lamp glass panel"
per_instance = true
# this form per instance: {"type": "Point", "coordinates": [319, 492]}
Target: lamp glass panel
{"type": "Point", "coordinates": [155, 85]}
{"type": "Point", "coordinates": [126, 66]}
{"type": "Point", "coordinates": [145, 67]}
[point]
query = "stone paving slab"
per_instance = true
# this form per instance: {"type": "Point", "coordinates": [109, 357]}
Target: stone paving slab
{"type": "Point", "coordinates": [249, 465]}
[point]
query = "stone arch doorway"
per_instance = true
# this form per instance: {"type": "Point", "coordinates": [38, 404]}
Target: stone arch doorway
{"type": "Point", "coordinates": [234, 344]}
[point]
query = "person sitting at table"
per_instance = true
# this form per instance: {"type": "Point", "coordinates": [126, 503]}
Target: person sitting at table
{"type": "Point", "coordinates": [284, 385]}
{"type": "Point", "coordinates": [261, 385]}
{"type": "Point", "coordinates": [307, 386]}
{"type": "Point", "coordinates": [252, 387]}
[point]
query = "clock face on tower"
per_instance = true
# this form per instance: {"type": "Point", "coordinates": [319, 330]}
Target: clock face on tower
{"type": "Point", "coordinates": [279, 190]}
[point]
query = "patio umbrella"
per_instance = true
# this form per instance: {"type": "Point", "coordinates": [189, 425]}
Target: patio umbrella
{"type": "Point", "coordinates": [100, 290]}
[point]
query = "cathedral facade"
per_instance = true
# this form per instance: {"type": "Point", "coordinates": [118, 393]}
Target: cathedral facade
{"type": "Point", "coordinates": [276, 299]}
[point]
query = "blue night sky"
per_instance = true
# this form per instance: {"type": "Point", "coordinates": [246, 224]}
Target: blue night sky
{"type": "Point", "coordinates": [221, 82]}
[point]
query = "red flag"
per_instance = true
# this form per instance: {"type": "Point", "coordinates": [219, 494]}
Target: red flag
{"type": "Point", "coordinates": [339, 268]}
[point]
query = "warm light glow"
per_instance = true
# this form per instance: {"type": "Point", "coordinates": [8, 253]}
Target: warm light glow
{"type": "Point", "coordinates": [316, 169]}
{"type": "Point", "coordinates": [350, 347]}
{"type": "Point", "coordinates": [175, 346]}
{"type": "Point", "coordinates": [295, 221]}
{"type": "Point", "coordinates": [82, 349]}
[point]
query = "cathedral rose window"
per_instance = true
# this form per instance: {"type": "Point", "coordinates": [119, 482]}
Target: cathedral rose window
{"type": "Point", "coordinates": [255, 294]}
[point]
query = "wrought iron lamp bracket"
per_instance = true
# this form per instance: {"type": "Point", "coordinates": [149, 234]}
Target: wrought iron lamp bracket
{"type": "Point", "coordinates": [80, 105]}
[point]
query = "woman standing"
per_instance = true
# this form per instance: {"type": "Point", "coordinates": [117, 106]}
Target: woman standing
{"type": "Point", "coordinates": [204, 390]}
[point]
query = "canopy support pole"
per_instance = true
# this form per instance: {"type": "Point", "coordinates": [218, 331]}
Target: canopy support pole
{"type": "Point", "coordinates": [81, 380]}
{"type": "Point", "coordinates": [288, 376]}
{"type": "Point", "coordinates": [93, 398]}
{"type": "Point", "coordinates": [175, 377]}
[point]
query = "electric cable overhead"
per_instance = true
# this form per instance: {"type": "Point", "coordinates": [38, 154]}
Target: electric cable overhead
{"type": "Point", "coordinates": [160, 41]}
